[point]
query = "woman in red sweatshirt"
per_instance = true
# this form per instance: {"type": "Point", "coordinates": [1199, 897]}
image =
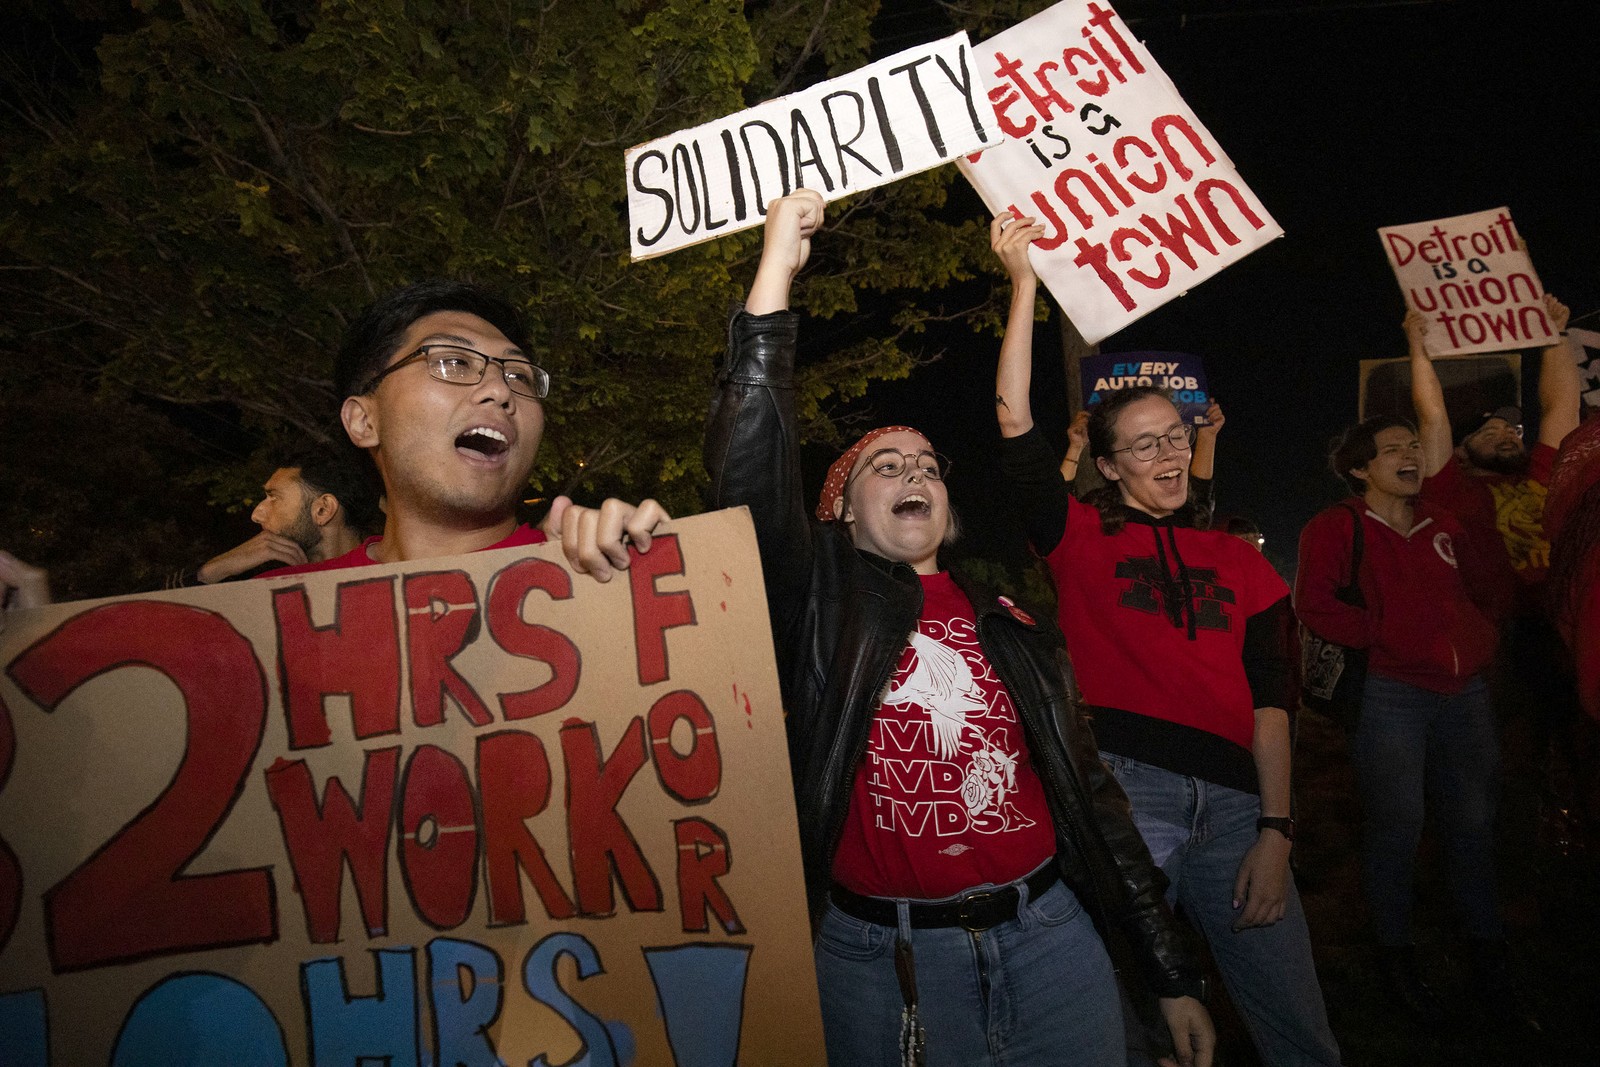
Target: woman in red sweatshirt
{"type": "Point", "coordinates": [1426, 728]}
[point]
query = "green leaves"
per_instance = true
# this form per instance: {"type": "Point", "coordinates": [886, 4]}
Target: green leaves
{"type": "Point", "coordinates": [192, 224]}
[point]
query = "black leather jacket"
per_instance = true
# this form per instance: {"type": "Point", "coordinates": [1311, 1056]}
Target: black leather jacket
{"type": "Point", "coordinates": [840, 619]}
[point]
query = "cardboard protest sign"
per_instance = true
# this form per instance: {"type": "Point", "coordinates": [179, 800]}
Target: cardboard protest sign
{"type": "Point", "coordinates": [1468, 275]}
{"type": "Point", "coordinates": [1472, 385]}
{"type": "Point", "coordinates": [1585, 347]}
{"type": "Point", "coordinates": [1183, 375]}
{"type": "Point", "coordinates": [896, 117]}
{"type": "Point", "coordinates": [464, 811]}
{"type": "Point", "coordinates": [1138, 201]}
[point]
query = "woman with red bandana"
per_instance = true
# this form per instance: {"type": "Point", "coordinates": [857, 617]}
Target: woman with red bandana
{"type": "Point", "coordinates": [965, 851]}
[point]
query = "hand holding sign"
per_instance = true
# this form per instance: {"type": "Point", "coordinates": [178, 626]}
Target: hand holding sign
{"type": "Point", "coordinates": [227, 813]}
{"type": "Point", "coordinates": [596, 540]}
{"type": "Point", "coordinates": [891, 119]}
{"type": "Point", "coordinates": [21, 585]}
{"type": "Point", "coordinates": [1138, 201]}
{"type": "Point", "coordinates": [1010, 235]}
{"type": "Point", "coordinates": [1472, 278]}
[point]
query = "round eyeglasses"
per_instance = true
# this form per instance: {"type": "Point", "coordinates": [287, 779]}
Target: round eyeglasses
{"type": "Point", "coordinates": [1146, 448]}
{"type": "Point", "coordinates": [463, 366]}
{"type": "Point", "coordinates": [891, 463]}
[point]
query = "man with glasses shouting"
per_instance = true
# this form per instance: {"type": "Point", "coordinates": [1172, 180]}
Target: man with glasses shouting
{"type": "Point", "coordinates": [440, 393]}
{"type": "Point", "coordinates": [1180, 640]}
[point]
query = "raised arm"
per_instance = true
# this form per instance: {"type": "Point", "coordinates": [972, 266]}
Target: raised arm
{"type": "Point", "coordinates": [1010, 236]}
{"type": "Point", "coordinates": [1034, 479]}
{"type": "Point", "coordinates": [1427, 396]}
{"type": "Point", "coordinates": [1202, 466]}
{"type": "Point", "coordinates": [21, 585]}
{"type": "Point", "coordinates": [1204, 461]}
{"type": "Point", "coordinates": [791, 222]}
{"type": "Point", "coordinates": [1077, 448]}
{"type": "Point", "coordinates": [1560, 388]}
{"type": "Point", "coordinates": [752, 446]}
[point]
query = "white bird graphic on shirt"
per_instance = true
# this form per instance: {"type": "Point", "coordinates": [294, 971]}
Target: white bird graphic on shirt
{"type": "Point", "coordinates": [942, 682]}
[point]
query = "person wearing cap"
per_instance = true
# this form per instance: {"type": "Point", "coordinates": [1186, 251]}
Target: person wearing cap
{"type": "Point", "coordinates": [966, 855]}
{"type": "Point", "coordinates": [1497, 486]}
{"type": "Point", "coordinates": [1180, 638]}
{"type": "Point", "coordinates": [1487, 475]}
{"type": "Point", "coordinates": [1426, 727]}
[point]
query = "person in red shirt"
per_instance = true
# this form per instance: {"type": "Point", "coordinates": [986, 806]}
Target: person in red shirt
{"type": "Point", "coordinates": [1572, 519]}
{"type": "Point", "coordinates": [1426, 727]}
{"type": "Point", "coordinates": [965, 852]}
{"type": "Point", "coordinates": [318, 505]}
{"type": "Point", "coordinates": [440, 393]}
{"type": "Point", "coordinates": [1487, 476]}
{"type": "Point", "coordinates": [1180, 641]}
{"type": "Point", "coordinates": [1497, 485]}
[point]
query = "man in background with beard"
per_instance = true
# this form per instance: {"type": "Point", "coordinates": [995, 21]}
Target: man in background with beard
{"type": "Point", "coordinates": [315, 507]}
{"type": "Point", "coordinates": [1493, 482]}
{"type": "Point", "coordinates": [1496, 485]}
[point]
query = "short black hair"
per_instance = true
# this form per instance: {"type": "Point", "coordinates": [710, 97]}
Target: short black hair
{"type": "Point", "coordinates": [372, 339]}
{"type": "Point", "coordinates": [1240, 526]}
{"type": "Point", "coordinates": [346, 472]}
{"type": "Point", "coordinates": [1358, 446]}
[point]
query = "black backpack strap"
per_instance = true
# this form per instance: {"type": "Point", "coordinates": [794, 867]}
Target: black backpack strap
{"type": "Point", "coordinates": [1350, 592]}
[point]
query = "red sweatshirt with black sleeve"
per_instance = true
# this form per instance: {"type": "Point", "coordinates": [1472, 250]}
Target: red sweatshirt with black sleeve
{"type": "Point", "coordinates": [1176, 635]}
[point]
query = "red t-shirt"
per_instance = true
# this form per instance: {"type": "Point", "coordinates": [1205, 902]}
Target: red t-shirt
{"type": "Point", "coordinates": [1132, 648]}
{"type": "Point", "coordinates": [360, 556]}
{"type": "Point", "coordinates": [1501, 512]}
{"type": "Point", "coordinates": [947, 797]}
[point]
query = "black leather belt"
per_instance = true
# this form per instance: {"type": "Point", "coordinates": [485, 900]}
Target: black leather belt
{"type": "Point", "coordinates": [978, 910]}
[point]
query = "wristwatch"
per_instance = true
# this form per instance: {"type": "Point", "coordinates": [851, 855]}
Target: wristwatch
{"type": "Point", "coordinates": [1284, 826]}
{"type": "Point", "coordinates": [1188, 985]}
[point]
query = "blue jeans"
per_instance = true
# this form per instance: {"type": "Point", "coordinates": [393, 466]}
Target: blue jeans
{"type": "Point", "coordinates": [1413, 746]}
{"type": "Point", "coordinates": [1036, 990]}
{"type": "Point", "coordinates": [1198, 833]}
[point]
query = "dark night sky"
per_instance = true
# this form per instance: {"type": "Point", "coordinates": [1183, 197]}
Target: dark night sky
{"type": "Point", "coordinates": [1342, 117]}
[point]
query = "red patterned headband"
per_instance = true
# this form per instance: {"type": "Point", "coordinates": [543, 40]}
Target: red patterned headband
{"type": "Point", "coordinates": [839, 473]}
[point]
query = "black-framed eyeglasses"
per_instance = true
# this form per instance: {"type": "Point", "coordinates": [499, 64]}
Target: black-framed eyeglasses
{"type": "Point", "coordinates": [463, 366]}
{"type": "Point", "coordinates": [891, 463]}
{"type": "Point", "coordinates": [1146, 448]}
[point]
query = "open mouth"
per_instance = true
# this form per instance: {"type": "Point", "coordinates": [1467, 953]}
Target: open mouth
{"type": "Point", "coordinates": [484, 441]}
{"type": "Point", "coordinates": [1169, 476]}
{"type": "Point", "coordinates": [914, 504]}
{"type": "Point", "coordinates": [1408, 473]}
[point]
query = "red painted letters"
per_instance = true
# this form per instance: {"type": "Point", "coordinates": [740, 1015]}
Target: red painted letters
{"type": "Point", "coordinates": [128, 901]}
